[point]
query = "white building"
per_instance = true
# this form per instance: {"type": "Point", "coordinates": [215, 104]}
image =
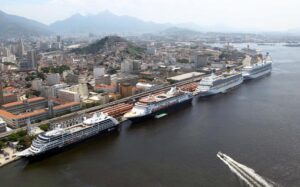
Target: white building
{"type": "Point", "coordinates": [2, 125]}
{"type": "Point", "coordinates": [37, 84]}
{"type": "Point", "coordinates": [81, 89]}
{"type": "Point", "coordinates": [69, 96]}
{"type": "Point", "coordinates": [98, 71]}
{"type": "Point", "coordinates": [53, 79]}
{"type": "Point", "coordinates": [151, 50]}
{"type": "Point", "coordinates": [52, 91]}
{"type": "Point", "coordinates": [130, 66]}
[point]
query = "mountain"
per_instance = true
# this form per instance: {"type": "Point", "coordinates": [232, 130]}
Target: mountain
{"type": "Point", "coordinates": [109, 43]}
{"type": "Point", "coordinates": [16, 26]}
{"type": "Point", "coordinates": [104, 22]}
{"type": "Point", "coordinates": [178, 31]}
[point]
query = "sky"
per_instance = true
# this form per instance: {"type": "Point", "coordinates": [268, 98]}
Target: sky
{"type": "Point", "coordinates": [263, 15]}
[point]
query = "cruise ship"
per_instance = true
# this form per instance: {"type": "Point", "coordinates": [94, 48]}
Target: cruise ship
{"type": "Point", "coordinates": [258, 69]}
{"type": "Point", "coordinates": [148, 107]}
{"type": "Point", "coordinates": [61, 137]}
{"type": "Point", "coordinates": [215, 84]}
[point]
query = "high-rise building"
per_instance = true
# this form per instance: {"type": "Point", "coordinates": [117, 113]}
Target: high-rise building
{"type": "Point", "coordinates": [20, 49]}
{"type": "Point", "coordinates": [28, 63]}
{"type": "Point", "coordinates": [31, 55]}
{"type": "Point", "coordinates": [1, 93]}
{"type": "Point", "coordinates": [98, 71]}
{"type": "Point", "coordinates": [58, 38]}
{"type": "Point", "coordinates": [131, 66]}
{"type": "Point", "coordinates": [53, 79]}
{"type": "Point", "coordinates": [127, 66]}
{"type": "Point", "coordinates": [36, 84]}
{"type": "Point", "coordinates": [200, 60]}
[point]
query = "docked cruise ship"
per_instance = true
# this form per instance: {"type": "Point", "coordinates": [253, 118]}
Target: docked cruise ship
{"type": "Point", "coordinates": [215, 84]}
{"type": "Point", "coordinates": [61, 137]}
{"type": "Point", "coordinates": [258, 69]}
{"type": "Point", "coordinates": [153, 105]}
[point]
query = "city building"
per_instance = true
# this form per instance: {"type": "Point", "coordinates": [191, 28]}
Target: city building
{"type": "Point", "coordinates": [34, 112]}
{"type": "Point", "coordinates": [10, 97]}
{"type": "Point", "coordinates": [105, 79]}
{"type": "Point", "coordinates": [116, 81]}
{"type": "Point", "coordinates": [200, 60]}
{"type": "Point", "coordinates": [185, 76]}
{"type": "Point", "coordinates": [25, 105]}
{"type": "Point", "coordinates": [19, 120]}
{"type": "Point", "coordinates": [96, 98]}
{"type": "Point", "coordinates": [98, 71]}
{"type": "Point", "coordinates": [37, 84]}
{"type": "Point", "coordinates": [81, 89]}
{"type": "Point", "coordinates": [66, 108]}
{"type": "Point", "coordinates": [26, 64]}
{"type": "Point", "coordinates": [103, 88]}
{"type": "Point", "coordinates": [52, 79]}
{"type": "Point", "coordinates": [127, 66]}
{"type": "Point", "coordinates": [58, 39]}
{"type": "Point", "coordinates": [52, 91]}
{"type": "Point", "coordinates": [127, 90]}
{"type": "Point", "coordinates": [67, 95]}
{"type": "Point", "coordinates": [1, 93]}
{"type": "Point", "coordinates": [20, 51]}
{"type": "Point", "coordinates": [151, 50]}
{"type": "Point", "coordinates": [2, 125]}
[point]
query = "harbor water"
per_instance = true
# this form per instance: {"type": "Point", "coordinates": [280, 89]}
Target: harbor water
{"type": "Point", "coordinates": [257, 124]}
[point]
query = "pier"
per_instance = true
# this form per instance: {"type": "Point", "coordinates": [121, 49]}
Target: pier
{"type": "Point", "coordinates": [116, 108]}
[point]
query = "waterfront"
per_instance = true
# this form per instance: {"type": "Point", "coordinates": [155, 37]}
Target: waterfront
{"type": "Point", "coordinates": [257, 124]}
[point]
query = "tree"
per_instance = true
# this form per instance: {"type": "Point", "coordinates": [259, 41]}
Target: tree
{"type": "Point", "coordinates": [21, 133]}
{"type": "Point", "coordinates": [45, 127]}
{"type": "Point", "coordinates": [45, 69]}
{"type": "Point", "coordinates": [25, 142]}
{"type": "Point", "coordinates": [2, 145]}
{"type": "Point", "coordinates": [12, 137]}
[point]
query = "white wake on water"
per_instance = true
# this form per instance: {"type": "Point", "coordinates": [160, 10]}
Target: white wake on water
{"type": "Point", "coordinates": [246, 174]}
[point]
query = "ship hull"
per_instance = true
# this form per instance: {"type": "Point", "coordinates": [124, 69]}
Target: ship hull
{"type": "Point", "coordinates": [56, 150]}
{"type": "Point", "coordinates": [214, 91]}
{"type": "Point", "coordinates": [250, 76]}
{"type": "Point", "coordinates": [165, 110]}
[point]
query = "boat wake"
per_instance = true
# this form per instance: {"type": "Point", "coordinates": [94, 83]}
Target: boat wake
{"type": "Point", "coordinates": [246, 174]}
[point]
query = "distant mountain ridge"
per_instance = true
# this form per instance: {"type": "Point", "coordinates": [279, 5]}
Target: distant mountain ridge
{"type": "Point", "coordinates": [16, 26]}
{"type": "Point", "coordinates": [105, 22]}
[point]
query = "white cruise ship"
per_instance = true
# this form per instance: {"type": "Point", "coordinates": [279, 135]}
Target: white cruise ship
{"type": "Point", "coordinates": [153, 105]}
{"type": "Point", "coordinates": [215, 84]}
{"type": "Point", "coordinates": [59, 137]}
{"type": "Point", "coordinates": [258, 69]}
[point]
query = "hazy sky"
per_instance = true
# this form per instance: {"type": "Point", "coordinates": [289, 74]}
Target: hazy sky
{"type": "Point", "coordinates": [268, 15]}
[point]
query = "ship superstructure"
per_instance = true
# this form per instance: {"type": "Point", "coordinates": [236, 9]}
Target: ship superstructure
{"type": "Point", "coordinates": [258, 69]}
{"type": "Point", "coordinates": [156, 104]}
{"type": "Point", "coordinates": [61, 137]}
{"type": "Point", "coordinates": [215, 84]}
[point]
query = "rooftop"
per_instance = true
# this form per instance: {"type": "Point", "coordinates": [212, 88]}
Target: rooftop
{"type": "Point", "coordinates": [31, 100]}
{"type": "Point", "coordinates": [185, 76]}
{"type": "Point", "coordinates": [9, 115]}
{"type": "Point", "coordinates": [66, 105]}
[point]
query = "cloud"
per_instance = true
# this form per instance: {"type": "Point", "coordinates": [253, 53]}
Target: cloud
{"type": "Point", "coordinates": [261, 14]}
